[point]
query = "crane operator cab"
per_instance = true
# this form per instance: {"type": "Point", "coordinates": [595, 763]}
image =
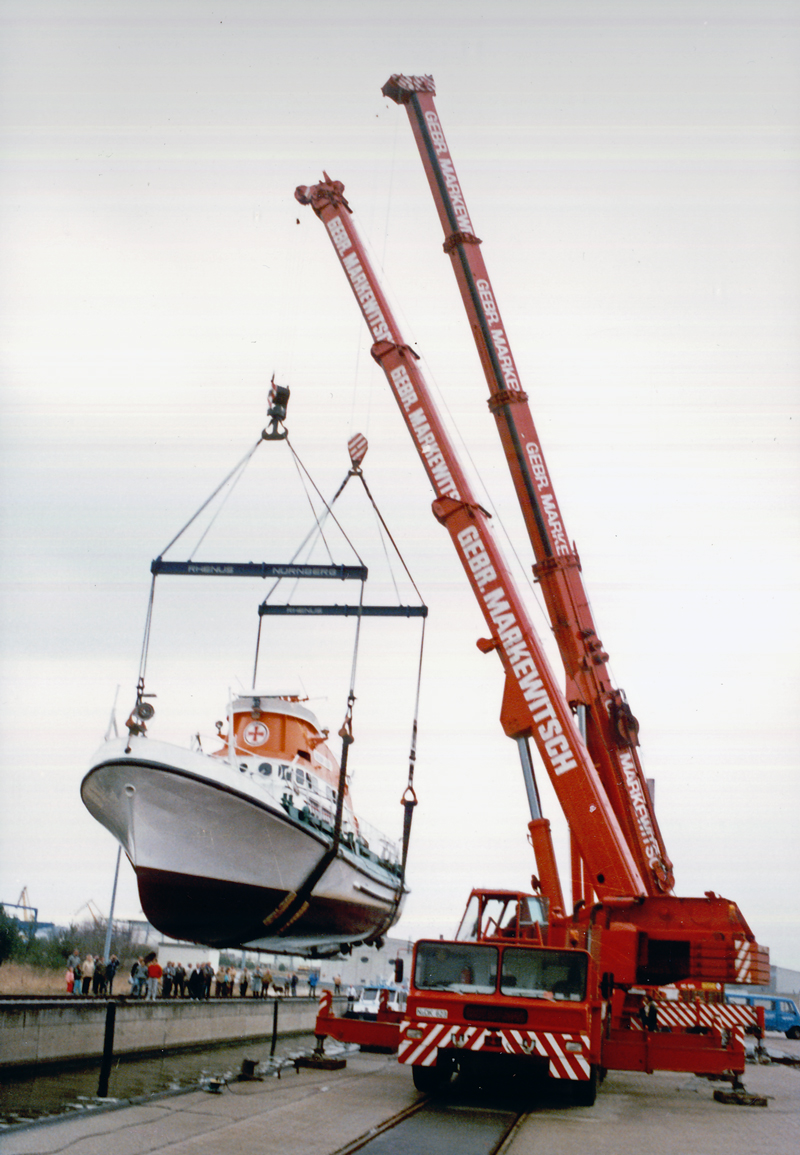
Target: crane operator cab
{"type": "Point", "coordinates": [502, 914]}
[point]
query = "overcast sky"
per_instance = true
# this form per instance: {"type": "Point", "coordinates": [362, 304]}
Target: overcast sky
{"type": "Point", "coordinates": [632, 171]}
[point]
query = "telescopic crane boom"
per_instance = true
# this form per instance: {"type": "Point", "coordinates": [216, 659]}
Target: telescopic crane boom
{"type": "Point", "coordinates": [611, 729]}
{"type": "Point", "coordinates": [534, 706]}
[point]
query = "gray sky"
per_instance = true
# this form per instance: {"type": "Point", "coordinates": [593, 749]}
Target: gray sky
{"type": "Point", "coordinates": [632, 170]}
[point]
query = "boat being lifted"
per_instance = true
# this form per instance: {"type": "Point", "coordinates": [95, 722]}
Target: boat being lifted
{"type": "Point", "coordinates": [255, 844]}
{"type": "Point", "coordinates": [238, 847]}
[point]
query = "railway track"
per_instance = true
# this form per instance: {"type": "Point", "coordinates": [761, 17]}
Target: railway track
{"type": "Point", "coordinates": [432, 1128]}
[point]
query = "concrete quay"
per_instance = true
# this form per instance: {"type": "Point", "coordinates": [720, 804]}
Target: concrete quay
{"type": "Point", "coordinates": [321, 1112]}
{"type": "Point", "coordinates": [35, 1033]}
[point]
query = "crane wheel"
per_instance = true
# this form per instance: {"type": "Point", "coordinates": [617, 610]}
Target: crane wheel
{"type": "Point", "coordinates": [431, 1080]}
{"type": "Point", "coordinates": [585, 1093]}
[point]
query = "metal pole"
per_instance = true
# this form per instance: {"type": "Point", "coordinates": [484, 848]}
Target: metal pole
{"type": "Point", "coordinates": [528, 778]}
{"type": "Point", "coordinates": [108, 1050]}
{"type": "Point", "coordinates": [274, 1027]}
{"type": "Point", "coordinates": [110, 927]}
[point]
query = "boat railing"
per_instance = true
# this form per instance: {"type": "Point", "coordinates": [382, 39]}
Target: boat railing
{"type": "Point", "coordinates": [367, 841]}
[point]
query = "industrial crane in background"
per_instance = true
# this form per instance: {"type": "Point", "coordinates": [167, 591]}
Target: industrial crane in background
{"type": "Point", "coordinates": [526, 983]}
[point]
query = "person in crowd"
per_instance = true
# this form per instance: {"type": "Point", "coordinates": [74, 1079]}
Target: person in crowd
{"type": "Point", "coordinates": [313, 979]}
{"type": "Point", "coordinates": [266, 982]}
{"type": "Point", "coordinates": [73, 962]}
{"type": "Point", "coordinates": [219, 983]}
{"type": "Point", "coordinates": [69, 976]}
{"type": "Point", "coordinates": [155, 973]}
{"type": "Point", "coordinates": [293, 983]}
{"type": "Point", "coordinates": [167, 980]}
{"type": "Point", "coordinates": [255, 983]}
{"type": "Point", "coordinates": [180, 980]}
{"type": "Point", "coordinates": [138, 978]}
{"type": "Point", "coordinates": [351, 997]}
{"type": "Point", "coordinates": [87, 971]}
{"type": "Point", "coordinates": [337, 984]}
{"type": "Point", "coordinates": [244, 982]}
{"type": "Point", "coordinates": [99, 978]}
{"type": "Point", "coordinates": [112, 966]}
{"type": "Point", "coordinates": [195, 984]}
{"type": "Point", "coordinates": [208, 975]}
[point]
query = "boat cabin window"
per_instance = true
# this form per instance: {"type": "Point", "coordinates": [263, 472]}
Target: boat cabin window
{"type": "Point", "coordinates": [285, 772]}
{"type": "Point", "coordinates": [265, 768]}
{"type": "Point", "coordinates": [299, 775]}
{"type": "Point", "coordinates": [463, 967]}
{"type": "Point", "coordinates": [330, 793]}
{"type": "Point", "coordinates": [530, 973]}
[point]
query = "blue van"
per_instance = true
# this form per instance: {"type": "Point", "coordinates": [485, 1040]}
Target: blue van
{"type": "Point", "coordinates": [780, 1013]}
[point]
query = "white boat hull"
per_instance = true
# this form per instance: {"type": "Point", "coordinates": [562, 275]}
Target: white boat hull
{"type": "Point", "coordinates": [214, 861]}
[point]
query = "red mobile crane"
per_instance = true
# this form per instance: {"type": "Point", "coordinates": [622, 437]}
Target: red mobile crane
{"type": "Point", "coordinates": [516, 986]}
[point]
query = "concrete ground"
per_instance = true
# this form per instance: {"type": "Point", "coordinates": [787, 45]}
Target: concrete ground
{"type": "Point", "coordinates": [318, 1112]}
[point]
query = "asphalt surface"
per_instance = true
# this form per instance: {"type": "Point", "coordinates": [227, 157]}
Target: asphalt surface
{"type": "Point", "coordinates": [320, 1112]}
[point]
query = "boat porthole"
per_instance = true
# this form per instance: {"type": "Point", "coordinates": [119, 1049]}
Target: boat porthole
{"type": "Point", "coordinates": [130, 790]}
{"type": "Point", "coordinates": [243, 767]}
{"type": "Point", "coordinates": [265, 768]}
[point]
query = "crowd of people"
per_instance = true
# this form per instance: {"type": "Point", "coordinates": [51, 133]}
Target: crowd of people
{"type": "Point", "coordinates": [90, 975]}
{"type": "Point", "coordinates": [149, 980]}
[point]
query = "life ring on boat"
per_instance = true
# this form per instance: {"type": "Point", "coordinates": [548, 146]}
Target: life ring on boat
{"type": "Point", "coordinates": [255, 734]}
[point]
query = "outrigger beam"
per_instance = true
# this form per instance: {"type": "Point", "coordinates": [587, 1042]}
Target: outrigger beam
{"type": "Point", "coordinates": [344, 611]}
{"type": "Point", "coordinates": [262, 569]}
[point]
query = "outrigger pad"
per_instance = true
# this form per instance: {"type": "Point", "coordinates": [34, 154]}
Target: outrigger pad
{"type": "Point", "coordinates": [741, 1098]}
{"type": "Point", "coordinates": [319, 1063]}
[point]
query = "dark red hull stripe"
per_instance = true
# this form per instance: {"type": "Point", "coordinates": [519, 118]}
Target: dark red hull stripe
{"type": "Point", "coordinates": [220, 914]}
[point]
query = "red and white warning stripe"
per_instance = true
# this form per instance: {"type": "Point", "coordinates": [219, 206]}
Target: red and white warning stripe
{"type": "Point", "coordinates": [744, 961]}
{"type": "Point", "coordinates": [672, 1013]}
{"type": "Point", "coordinates": [564, 1064]}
